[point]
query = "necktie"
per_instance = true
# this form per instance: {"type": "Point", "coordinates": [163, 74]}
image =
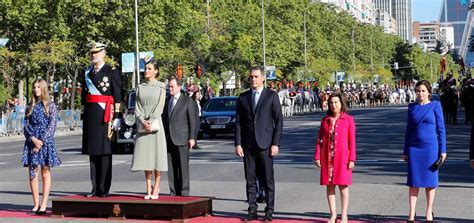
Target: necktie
{"type": "Point", "coordinates": [171, 107]}
{"type": "Point", "coordinates": [255, 100]}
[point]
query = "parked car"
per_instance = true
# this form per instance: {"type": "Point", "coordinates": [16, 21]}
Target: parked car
{"type": "Point", "coordinates": [218, 116]}
{"type": "Point", "coordinates": [435, 97]}
{"type": "Point", "coordinates": [124, 142]}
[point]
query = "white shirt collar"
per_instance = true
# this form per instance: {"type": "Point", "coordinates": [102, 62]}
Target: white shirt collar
{"type": "Point", "coordinates": [259, 91]}
{"type": "Point", "coordinates": [176, 96]}
{"type": "Point", "coordinates": [96, 69]}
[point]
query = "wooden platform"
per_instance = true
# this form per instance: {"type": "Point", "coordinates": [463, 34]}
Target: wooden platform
{"type": "Point", "coordinates": [177, 209]}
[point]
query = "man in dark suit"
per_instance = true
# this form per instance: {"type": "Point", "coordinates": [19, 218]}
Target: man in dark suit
{"type": "Point", "coordinates": [101, 96]}
{"type": "Point", "coordinates": [179, 121]}
{"type": "Point", "coordinates": [259, 126]}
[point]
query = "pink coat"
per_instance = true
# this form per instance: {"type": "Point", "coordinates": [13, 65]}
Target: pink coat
{"type": "Point", "coordinates": [345, 149]}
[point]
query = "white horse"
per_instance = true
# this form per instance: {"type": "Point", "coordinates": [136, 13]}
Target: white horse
{"type": "Point", "coordinates": [394, 98]}
{"type": "Point", "coordinates": [411, 95]}
{"type": "Point", "coordinates": [299, 103]}
{"type": "Point", "coordinates": [286, 102]}
{"type": "Point", "coordinates": [403, 96]}
{"type": "Point", "coordinates": [308, 102]}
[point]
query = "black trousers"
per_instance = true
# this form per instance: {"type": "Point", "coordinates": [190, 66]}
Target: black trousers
{"type": "Point", "coordinates": [178, 170]}
{"type": "Point", "coordinates": [101, 173]}
{"type": "Point", "coordinates": [259, 163]}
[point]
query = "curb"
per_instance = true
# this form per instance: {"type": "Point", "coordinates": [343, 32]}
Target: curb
{"type": "Point", "coordinates": [21, 137]}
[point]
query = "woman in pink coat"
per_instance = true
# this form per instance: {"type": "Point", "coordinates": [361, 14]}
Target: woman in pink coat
{"type": "Point", "coordinates": [336, 153]}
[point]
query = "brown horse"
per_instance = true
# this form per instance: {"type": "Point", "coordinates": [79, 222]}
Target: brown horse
{"type": "Point", "coordinates": [324, 100]}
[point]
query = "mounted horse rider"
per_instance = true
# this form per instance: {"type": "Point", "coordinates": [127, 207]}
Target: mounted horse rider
{"type": "Point", "coordinates": [467, 97]}
{"type": "Point", "coordinates": [449, 98]}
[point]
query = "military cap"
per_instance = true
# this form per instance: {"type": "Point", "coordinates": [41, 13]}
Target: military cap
{"type": "Point", "coordinates": [96, 47]}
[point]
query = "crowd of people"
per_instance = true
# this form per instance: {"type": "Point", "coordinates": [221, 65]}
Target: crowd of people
{"type": "Point", "coordinates": [167, 131]}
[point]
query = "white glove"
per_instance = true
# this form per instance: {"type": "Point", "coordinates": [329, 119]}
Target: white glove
{"type": "Point", "coordinates": [116, 124]}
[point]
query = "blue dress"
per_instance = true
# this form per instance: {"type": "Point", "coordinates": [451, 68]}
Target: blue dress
{"type": "Point", "coordinates": [42, 127]}
{"type": "Point", "coordinates": [425, 140]}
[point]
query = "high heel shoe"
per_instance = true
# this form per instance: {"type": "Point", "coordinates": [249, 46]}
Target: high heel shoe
{"type": "Point", "coordinates": [331, 220]}
{"type": "Point", "coordinates": [148, 196]}
{"type": "Point", "coordinates": [39, 212]}
{"type": "Point", "coordinates": [33, 211]}
{"type": "Point", "coordinates": [412, 221]}
{"type": "Point", "coordinates": [432, 214]}
{"type": "Point", "coordinates": [155, 197]}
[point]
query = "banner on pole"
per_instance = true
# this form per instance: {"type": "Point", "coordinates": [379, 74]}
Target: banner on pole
{"type": "Point", "coordinates": [128, 61]}
{"type": "Point", "coordinates": [3, 42]}
{"type": "Point", "coordinates": [341, 76]}
{"type": "Point", "coordinates": [270, 72]}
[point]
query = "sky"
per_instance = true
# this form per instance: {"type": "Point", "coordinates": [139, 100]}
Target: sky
{"type": "Point", "coordinates": [425, 10]}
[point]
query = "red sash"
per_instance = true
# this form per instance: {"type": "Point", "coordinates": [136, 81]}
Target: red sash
{"type": "Point", "coordinates": [107, 99]}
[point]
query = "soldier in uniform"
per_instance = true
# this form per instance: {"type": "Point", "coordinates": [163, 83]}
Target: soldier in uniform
{"type": "Point", "coordinates": [101, 96]}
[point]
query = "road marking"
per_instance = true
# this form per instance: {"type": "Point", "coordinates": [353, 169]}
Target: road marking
{"type": "Point", "coordinates": [208, 150]}
{"type": "Point", "coordinates": [218, 144]}
{"type": "Point", "coordinates": [287, 161]}
{"type": "Point", "coordinates": [116, 162]}
{"type": "Point", "coordinates": [213, 141]}
{"type": "Point", "coordinates": [70, 152]}
{"type": "Point", "coordinates": [10, 154]}
{"type": "Point", "coordinates": [311, 123]}
{"type": "Point", "coordinates": [73, 165]}
{"type": "Point", "coordinates": [2, 163]}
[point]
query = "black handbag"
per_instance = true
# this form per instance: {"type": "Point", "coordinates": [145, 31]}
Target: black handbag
{"type": "Point", "coordinates": [439, 162]}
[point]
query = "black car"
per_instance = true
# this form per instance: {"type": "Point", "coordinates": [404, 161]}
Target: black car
{"type": "Point", "coordinates": [435, 97]}
{"type": "Point", "coordinates": [124, 142]}
{"type": "Point", "coordinates": [218, 116]}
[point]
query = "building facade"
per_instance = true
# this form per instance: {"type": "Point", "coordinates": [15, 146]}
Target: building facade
{"type": "Point", "coordinates": [457, 14]}
{"type": "Point", "coordinates": [387, 22]}
{"type": "Point", "coordinates": [426, 33]}
{"type": "Point", "coordinates": [400, 10]}
{"type": "Point", "coordinates": [446, 35]}
{"type": "Point", "coordinates": [362, 10]}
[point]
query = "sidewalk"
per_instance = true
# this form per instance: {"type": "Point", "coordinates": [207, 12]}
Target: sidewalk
{"type": "Point", "coordinates": [59, 133]}
{"type": "Point", "coordinates": [22, 216]}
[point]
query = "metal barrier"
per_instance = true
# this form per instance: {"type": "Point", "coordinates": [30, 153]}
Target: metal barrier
{"type": "Point", "coordinates": [13, 123]}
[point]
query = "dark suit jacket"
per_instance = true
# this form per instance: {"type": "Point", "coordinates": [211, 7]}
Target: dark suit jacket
{"type": "Point", "coordinates": [265, 125]}
{"type": "Point", "coordinates": [180, 127]}
{"type": "Point", "coordinates": [94, 137]}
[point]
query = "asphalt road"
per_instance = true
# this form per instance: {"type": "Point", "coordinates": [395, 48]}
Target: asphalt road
{"type": "Point", "coordinates": [378, 191]}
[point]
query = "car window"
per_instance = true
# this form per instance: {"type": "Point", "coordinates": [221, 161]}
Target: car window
{"type": "Point", "coordinates": [221, 105]}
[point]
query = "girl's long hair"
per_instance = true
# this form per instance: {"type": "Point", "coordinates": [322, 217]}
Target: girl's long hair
{"type": "Point", "coordinates": [44, 97]}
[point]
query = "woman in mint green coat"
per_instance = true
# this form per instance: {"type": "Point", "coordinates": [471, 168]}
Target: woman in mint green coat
{"type": "Point", "coordinates": [150, 145]}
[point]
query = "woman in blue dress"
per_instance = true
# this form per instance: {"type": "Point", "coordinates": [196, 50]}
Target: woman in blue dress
{"type": "Point", "coordinates": [39, 151]}
{"type": "Point", "coordinates": [425, 142]}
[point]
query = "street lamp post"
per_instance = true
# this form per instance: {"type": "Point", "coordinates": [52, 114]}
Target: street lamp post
{"type": "Point", "coordinates": [305, 45]}
{"type": "Point", "coordinates": [208, 19]}
{"type": "Point", "coordinates": [353, 49]}
{"type": "Point", "coordinates": [137, 59]}
{"type": "Point", "coordinates": [263, 39]}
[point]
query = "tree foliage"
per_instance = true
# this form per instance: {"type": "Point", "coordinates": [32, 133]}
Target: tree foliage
{"type": "Point", "coordinates": [49, 38]}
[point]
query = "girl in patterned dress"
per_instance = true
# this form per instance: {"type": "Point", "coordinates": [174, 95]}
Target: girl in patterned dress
{"type": "Point", "coordinates": [335, 154]}
{"type": "Point", "coordinates": [39, 151]}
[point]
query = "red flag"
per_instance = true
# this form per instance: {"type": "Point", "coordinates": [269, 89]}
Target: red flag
{"type": "Point", "coordinates": [198, 71]}
{"type": "Point", "coordinates": [443, 65]}
{"type": "Point", "coordinates": [179, 72]}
